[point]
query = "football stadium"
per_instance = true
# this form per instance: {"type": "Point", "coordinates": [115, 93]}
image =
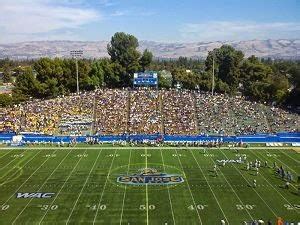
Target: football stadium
{"type": "Point", "coordinates": [148, 156]}
{"type": "Point", "coordinates": [197, 122]}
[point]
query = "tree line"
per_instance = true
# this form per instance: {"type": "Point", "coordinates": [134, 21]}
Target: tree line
{"type": "Point", "coordinates": [262, 80]}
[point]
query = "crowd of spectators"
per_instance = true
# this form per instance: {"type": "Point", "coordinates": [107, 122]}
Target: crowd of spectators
{"type": "Point", "coordinates": [280, 120]}
{"type": "Point", "coordinates": [147, 111]}
{"type": "Point", "coordinates": [111, 111]}
{"type": "Point", "coordinates": [62, 115]}
{"type": "Point", "coordinates": [179, 112]}
{"type": "Point", "coordinates": [10, 119]}
{"type": "Point", "coordinates": [223, 114]}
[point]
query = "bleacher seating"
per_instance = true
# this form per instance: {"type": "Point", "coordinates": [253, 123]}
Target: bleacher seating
{"type": "Point", "coordinates": [147, 111]}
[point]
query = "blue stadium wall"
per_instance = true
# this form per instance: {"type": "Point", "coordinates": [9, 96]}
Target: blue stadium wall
{"type": "Point", "coordinates": [258, 138]}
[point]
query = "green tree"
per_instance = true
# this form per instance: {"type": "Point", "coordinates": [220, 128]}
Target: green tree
{"type": "Point", "coordinates": [7, 78]}
{"type": "Point", "coordinates": [97, 73]}
{"type": "Point", "coordinates": [227, 65]}
{"type": "Point", "coordinates": [188, 80]}
{"type": "Point", "coordinates": [165, 79]}
{"type": "Point", "coordinates": [26, 84]}
{"type": "Point", "coordinates": [123, 51]}
{"type": "Point", "coordinates": [146, 59]}
{"type": "Point", "coordinates": [253, 70]}
{"type": "Point", "coordinates": [5, 100]}
{"type": "Point", "coordinates": [262, 83]}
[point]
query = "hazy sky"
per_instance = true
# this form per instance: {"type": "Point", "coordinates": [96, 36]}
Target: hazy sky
{"type": "Point", "coordinates": [157, 20]}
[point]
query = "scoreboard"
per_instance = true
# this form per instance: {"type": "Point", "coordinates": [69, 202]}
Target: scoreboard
{"type": "Point", "coordinates": [145, 79]}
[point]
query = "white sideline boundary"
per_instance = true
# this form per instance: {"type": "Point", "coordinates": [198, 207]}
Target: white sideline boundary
{"type": "Point", "coordinates": [140, 148]}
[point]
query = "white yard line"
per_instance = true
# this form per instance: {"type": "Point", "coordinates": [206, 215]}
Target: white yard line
{"type": "Point", "coordinates": [270, 208]}
{"type": "Point", "coordinates": [297, 161]}
{"type": "Point", "coordinates": [27, 178]}
{"type": "Point", "coordinates": [5, 154]}
{"type": "Point", "coordinates": [94, 221]}
{"type": "Point", "coordinates": [13, 159]}
{"type": "Point", "coordinates": [168, 189]}
{"type": "Point", "coordinates": [41, 186]}
{"type": "Point", "coordinates": [147, 203]}
{"type": "Point", "coordinates": [80, 193]}
{"type": "Point", "coordinates": [229, 185]}
{"type": "Point", "coordinates": [124, 196]}
{"type": "Point", "coordinates": [297, 210]}
{"type": "Point", "coordinates": [210, 188]}
{"type": "Point", "coordinates": [57, 194]}
{"type": "Point", "coordinates": [284, 164]}
{"type": "Point", "coordinates": [10, 169]}
{"type": "Point", "coordinates": [8, 164]}
{"type": "Point", "coordinates": [189, 188]}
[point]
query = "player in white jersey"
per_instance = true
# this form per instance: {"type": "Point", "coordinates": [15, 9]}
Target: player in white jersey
{"type": "Point", "coordinates": [248, 166]}
{"type": "Point", "coordinates": [254, 183]}
{"type": "Point", "coordinates": [215, 170]}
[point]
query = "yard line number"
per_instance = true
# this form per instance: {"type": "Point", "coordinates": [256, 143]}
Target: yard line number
{"type": "Point", "coordinates": [197, 207]}
{"type": "Point", "coordinates": [144, 207]}
{"type": "Point", "coordinates": [113, 155]}
{"type": "Point", "coordinates": [50, 207]}
{"type": "Point", "coordinates": [82, 155]}
{"type": "Point", "coordinates": [95, 206]}
{"type": "Point", "coordinates": [4, 207]}
{"type": "Point", "coordinates": [17, 156]}
{"type": "Point", "coordinates": [292, 206]}
{"type": "Point", "coordinates": [245, 207]}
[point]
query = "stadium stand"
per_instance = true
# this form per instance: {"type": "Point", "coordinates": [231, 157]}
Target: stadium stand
{"type": "Point", "coordinates": [147, 111]}
{"type": "Point", "coordinates": [111, 111]}
{"type": "Point", "coordinates": [179, 112]}
{"type": "Point", "coordinates": [221, 114]}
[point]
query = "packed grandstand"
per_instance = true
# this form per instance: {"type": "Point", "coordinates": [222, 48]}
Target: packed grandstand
{"type": "Point", "coordinates": [147, 111]}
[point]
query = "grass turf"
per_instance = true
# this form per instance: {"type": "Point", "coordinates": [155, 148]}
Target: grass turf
{"type": "Point", "coordinates": [86, 191]}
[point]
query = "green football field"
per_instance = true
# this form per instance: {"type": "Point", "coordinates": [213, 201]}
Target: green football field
{"type": "Point", "coordinates": [86, 191]}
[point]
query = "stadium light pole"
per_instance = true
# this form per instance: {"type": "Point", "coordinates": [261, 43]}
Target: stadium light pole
{"type": "Point", "coordinates": [76, 54]}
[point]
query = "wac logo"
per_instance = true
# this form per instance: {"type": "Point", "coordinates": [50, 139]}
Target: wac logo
{"type": "Point", "coordinates": [35, 195]}
{"type": "Point", "coordinates": [151, 177]}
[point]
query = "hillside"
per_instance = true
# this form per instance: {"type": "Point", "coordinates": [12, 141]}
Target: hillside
{"type": "Point", "coordinates": [285, 49]}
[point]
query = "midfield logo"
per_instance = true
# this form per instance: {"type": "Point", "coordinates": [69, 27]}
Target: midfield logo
{"type": "Point", "coordinates": [150, 176]}
{"type": "Point", "coordinates": [35, 195]}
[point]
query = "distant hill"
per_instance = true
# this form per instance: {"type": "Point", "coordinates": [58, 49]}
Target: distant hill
{"type": "Point", "coordinates": [282, 48]}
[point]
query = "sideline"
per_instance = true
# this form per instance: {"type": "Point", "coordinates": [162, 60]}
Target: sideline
{"type": "Point", "coordinates": [296, 149]}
